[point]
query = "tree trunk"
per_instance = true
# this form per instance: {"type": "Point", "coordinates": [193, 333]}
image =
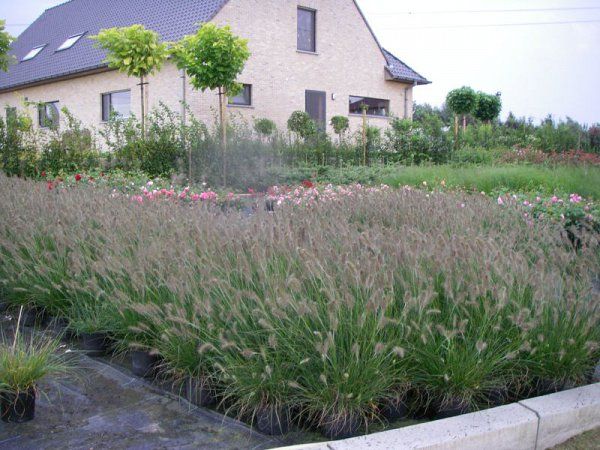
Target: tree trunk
{"type": "Point", "coordinates": [364, 136]}
{"type": "Point", "coordinates": [464, 123]}
{"type": "Point", "coordinates": [223, 117]}
{"type": "Point", "coordinates": [184, 124]}
{"type": "Point", "coordinates": [143, 105]}
{"type": "Point", "coordinates": [455, 131]}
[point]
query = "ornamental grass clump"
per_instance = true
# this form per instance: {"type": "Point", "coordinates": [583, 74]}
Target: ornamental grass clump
{"type": "Point", "coordinates": [328, 313]}
{"type": "Point", "coordinates": [24, 362]}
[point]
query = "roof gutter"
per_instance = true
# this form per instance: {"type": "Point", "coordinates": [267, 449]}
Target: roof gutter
{"type": "Point", "coordinates": [66, 76]}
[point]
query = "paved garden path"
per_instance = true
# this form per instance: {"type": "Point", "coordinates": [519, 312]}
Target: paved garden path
{"type": "Point", "coordinates": [102, 407]}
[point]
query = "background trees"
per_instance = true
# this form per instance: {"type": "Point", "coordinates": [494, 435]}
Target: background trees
{"type": "Point", "coordinates": [488, 107]}
{"type": "Point", "coordinates": [5, 41]}
{"type": "Point", "coordinates": [462, 102]}
{"type": "Point", "coordinates": [213, 58]}
{"type": "Point", "coordinates": [136, 51]}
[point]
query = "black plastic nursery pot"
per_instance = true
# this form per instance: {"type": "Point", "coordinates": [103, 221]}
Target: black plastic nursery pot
{"type": "Point", "coordinates": [144, 363]}
{"type": "Point", "coordinates": [270, 205]}
{"type": "Point", "coordinates": [498, 396]}
{"type": "Point", "coordinates": [421, 406]}
{"type": "Point", "coordinates": [342, 426]}
{"type": "Point", "coordinates": [18, 407]}
{"type": "Point", "coordinates": [33, 316]}
{"type": "Point", "coordinates": [453, 408]}
{"type": "Point", "coordinates": [545, 386]}
{"type": "Point", "coordinates": [94, 344]}
{"type": "Point", "coordinates": [272, 420]}
{"type": "Point", "coordinates": [394, 409]}
{"type": "Point", "coordinates": [199, 392]}
{"type": "Point", "coordinates": [63, 327]}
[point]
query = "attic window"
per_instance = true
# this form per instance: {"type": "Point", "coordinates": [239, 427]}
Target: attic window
{"type": "Point", "coordinates": [70, 42]}
{"type": "Point", "coordinates": [33, 53]}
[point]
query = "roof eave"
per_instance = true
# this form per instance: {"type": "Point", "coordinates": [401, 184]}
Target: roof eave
{"type": "Point", "coordinates": [53, 79]}
{"type": "Point", "coordinates": [406, 80]}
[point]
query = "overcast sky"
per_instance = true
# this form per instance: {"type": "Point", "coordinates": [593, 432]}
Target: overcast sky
{"type": "Point", "coordinates": [512, 46]}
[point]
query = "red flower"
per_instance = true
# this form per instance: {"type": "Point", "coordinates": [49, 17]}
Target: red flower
{"type": "Point", "coordinates": [50, 185]}
{"type": "Point", "coordinates": [77, 177]}
{"type": "Point", "coordinates": [44, 174]}
{"type": "Point", "coordinates": [308, 184]}
{"type": "Point", "coordinates": [250, 191]}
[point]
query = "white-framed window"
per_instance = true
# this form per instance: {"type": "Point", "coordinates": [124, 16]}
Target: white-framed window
{"type": "Point", "coordinates": [33, 53]}
{"type": "Point", "coordinates": [307, 30]}
{"type": "Point", "coordinates": [48, 115]}
{"type": "Point", "coordinates": [244, 97]}
{"type": "Point", "coordinates": [116, 104]}
{"type": "Point", "coordinates": [70, 42]}
{"type": "Point", "coordinates": [374, 106]}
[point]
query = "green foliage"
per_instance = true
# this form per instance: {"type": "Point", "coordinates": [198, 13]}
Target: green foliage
{"type": "Point", "coordinates": [462, 101]}
{"type": "Point", "coordinates": [5, 41]}
{"type": "Point", "coordinates": [265, 127]}
{"type": "Point", "coordinates": [340, 124]}
{"type": "Point", "coordinates": [302, 124]}
{"type": "Point", "coordinates": [416, 143]}
{"type": "Point", "coordinates": [424, 111]}
{"type": "Point", "coordinates": [18, 151]}
{"type": "Point", "coordinates": [26, 361]}
{"type": "Point", "coordinates": [133, 50]}
{"type": "Point", "coordinates": [514, 178]}
{"type": "Point", "coordinates": [156, 153]}
{"type": "Point", "coordinates": [69, 149]}
{"type": "Point", "coordinates": [488, 107]}
{"type": "Point", "coordinates": [213, 58]}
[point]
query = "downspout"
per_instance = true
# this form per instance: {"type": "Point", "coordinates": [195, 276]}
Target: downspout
{"type": "Point", "coordinates": [406, 98]}
{"type": "Point", "coordinates": [182, 97]}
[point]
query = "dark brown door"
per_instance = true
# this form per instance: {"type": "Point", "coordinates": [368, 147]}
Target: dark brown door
{"type": "Point", "coordinates": [316, 107]}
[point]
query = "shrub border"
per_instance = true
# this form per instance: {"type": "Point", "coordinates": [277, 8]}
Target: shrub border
{"type": "Point", "coordinates": [538, 423]}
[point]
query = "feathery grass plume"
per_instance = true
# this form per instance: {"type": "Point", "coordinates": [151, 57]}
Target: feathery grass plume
{"type": "Point", "coordinates": [373, 293]}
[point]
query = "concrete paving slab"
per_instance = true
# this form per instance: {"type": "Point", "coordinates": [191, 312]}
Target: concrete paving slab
{"type": "Point", "coordinates": [566, 414]}
{"type": "Point", "coordinates": [103, 408]}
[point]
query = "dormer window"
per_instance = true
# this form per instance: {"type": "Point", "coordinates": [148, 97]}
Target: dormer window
{"type": "Point", "coordinates": [70, 42]}
{"type": "Point", "coordinates": [33, 53]}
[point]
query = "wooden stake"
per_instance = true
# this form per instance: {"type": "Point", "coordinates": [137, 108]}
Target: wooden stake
{"type": "Point", "coordinates": [223, 115]}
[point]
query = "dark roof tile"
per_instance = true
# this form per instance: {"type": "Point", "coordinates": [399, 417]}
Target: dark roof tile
{"type": "Point", "coordinates": [171, 19]}
{"type": "Point", "coordinates": [401, 72]}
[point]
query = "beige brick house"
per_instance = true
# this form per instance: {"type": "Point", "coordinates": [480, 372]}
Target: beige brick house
{"type": "Point", "coordinates": [315, 55]}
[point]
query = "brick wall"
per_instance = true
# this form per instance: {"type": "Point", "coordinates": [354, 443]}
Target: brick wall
{"type": "Point", "coordinates": [347, 62]}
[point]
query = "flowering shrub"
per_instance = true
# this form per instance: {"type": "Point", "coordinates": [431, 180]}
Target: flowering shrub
{"type": "Point", "coordinates": [576, 157]}
{"type": "Point", "coordinates": [307, 195]}
{"type": "Point", "coordinates": [571, 210]}
{"type": "Point", "coordinates": [524, 155]}
{"type": "Point", "coordinates": [536, 156]}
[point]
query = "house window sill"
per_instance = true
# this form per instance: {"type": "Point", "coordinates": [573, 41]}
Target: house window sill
{"type": "Point", "coordinates": [371, 116]}
{"type": "Point", "coordinates": [240, 106]}
{"type": "Point", "coordinates": [307, 52]}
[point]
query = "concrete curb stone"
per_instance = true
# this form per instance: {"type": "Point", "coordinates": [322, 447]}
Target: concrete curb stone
{"type": "Point", "coordinates": [565, 414]}
{"type": "Point", "coordinates": [535, 424]}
